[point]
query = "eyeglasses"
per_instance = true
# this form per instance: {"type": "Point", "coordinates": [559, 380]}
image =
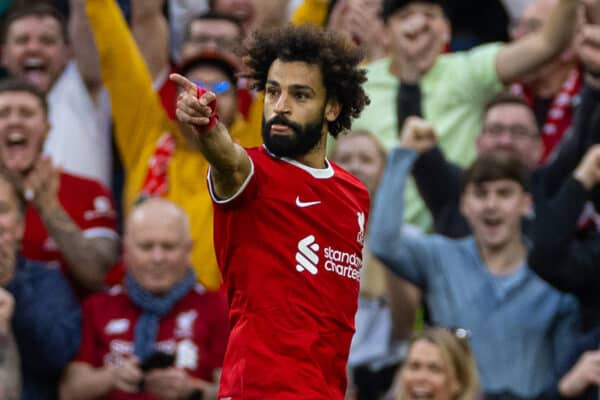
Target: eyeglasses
{"type": "Point", "coordinates": [216, 87]}
{"type": "Point", "coordinates": [517, 132]}
{"type": "Point", "coordinates": [218, 41]}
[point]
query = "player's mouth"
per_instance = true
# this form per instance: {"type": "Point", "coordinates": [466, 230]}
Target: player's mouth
{"type": "Point", "coordinates": [280, 129]}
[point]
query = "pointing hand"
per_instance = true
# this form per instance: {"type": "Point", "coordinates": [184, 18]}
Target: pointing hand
{"type": "Point", "coordinates": [195, 106]}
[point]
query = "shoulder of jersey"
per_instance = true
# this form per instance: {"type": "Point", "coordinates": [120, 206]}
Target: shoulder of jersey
{"type": "Point", "coordinates": [107, 298]}
{"type": "Point", "coordinates": [81, 183]}
{"type": "Point", "coordinates": [342, 174]}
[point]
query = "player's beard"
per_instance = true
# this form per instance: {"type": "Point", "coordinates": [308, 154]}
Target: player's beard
{"type": "Point", "coordinates": [303, 138]}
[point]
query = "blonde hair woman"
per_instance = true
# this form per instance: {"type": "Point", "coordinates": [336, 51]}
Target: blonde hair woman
{"type": "Point", "coordinates": [438, 366]}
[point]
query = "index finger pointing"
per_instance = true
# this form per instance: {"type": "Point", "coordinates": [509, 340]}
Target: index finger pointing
{"type": "Point", "coordinates": [184, 82]}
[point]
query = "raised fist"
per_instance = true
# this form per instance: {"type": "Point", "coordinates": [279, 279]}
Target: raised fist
{"type": "Point", "coordinates": [417, 134]}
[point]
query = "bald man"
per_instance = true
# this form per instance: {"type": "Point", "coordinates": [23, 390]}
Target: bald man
{"type": "Point", "coordinates": [160, 333]}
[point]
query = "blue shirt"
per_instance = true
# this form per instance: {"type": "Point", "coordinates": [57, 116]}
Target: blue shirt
{"type": "Point", "coordinates": [46, 324]}
{"type": "Point", "coordinates": [521, 327]}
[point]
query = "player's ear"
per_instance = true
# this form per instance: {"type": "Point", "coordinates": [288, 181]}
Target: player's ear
{"type": "Point", "coordinates": [332, 109]}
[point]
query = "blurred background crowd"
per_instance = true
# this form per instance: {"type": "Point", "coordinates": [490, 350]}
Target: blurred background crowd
{"type": "Point", "coordinates": [480, 148]}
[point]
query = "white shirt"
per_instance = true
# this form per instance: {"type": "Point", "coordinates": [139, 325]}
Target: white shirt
{"type": "Point", "coordinates": [79, 138]}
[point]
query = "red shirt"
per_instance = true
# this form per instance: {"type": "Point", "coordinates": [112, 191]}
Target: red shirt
{"type": "Point", "coordinates": [289, 247]}
{"type": "Point", "coordinates": [195, 330]}
{"type": "Point", "coordinates": [91, 207]}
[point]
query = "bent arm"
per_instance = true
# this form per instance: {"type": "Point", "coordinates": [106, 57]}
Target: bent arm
{"type": "Point", "coordinates": [439, 184]}
{"type": "Point", "coordinates": [525, 55]}
{"type": "Point", "coordinates": [81, 381]}
{"type": "Point", "coordinates": [151, 32]}
{"type": "Point", "coordinates": [230, 164]}
{"type": "Point", "coordinates": [88, 259]}
{"type": "Point", "coordinates": [568, 263]}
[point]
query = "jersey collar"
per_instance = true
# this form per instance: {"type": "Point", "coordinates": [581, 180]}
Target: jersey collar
{"type": "Point", "coordinates": [319, 173]}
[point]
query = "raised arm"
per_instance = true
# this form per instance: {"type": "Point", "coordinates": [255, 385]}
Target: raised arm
{"type": "Point", "coordinates": [230, 164]}
{"type": "Point", "coordinates": [525, 55]}
{"type": "Point", "coordinates": [438, 180]}
{"type": "Point", "coordinates": [566, 262]}
{"type": "Point", "coordinates": [84, 47]}
{"type": "Point", "coordinates": [562, 187]}
{"type": "Point", "coordinates": [409, 254]}
{"type": "Point", "coordinates": [151, 32]}
{"type": "Point", "coordinates": [89, 258]}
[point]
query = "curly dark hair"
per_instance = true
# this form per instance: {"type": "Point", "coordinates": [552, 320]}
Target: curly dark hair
{"type": "Point", "coordinates": [337, 58]}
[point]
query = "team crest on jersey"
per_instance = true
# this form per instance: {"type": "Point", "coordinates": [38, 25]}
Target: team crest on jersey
{"type": "Point", "coordinates": [185, 323]}
{"type": "Point", "coordinates": [360, 238]}
{"type": "Point", "coordinates": [117, 326]}
{"type": "Point", "coordinates": [187, 355]}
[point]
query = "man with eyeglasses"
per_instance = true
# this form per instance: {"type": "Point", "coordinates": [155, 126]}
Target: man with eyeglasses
{"type": "Point", "coordinates": [211, 31]}
{"type": "Point", "coordinates": [508, 124]}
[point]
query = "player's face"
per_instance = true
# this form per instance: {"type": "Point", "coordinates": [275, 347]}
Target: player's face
{"type": "Point", "coordinates": [214, 79]}
{"type": "Point", "coordinates": [359, 155]}
{"type": "Point", "coordinates": [426, 374]}
{"type": "Point", "coordinates": [494, 210]}
{"type": "Point", "coordinates": [511, 128]}
{"type": "Point", "coordinates": [35, 50]}
{"type": "Point", "coordinates": [23, 129]}
{"type": "Point", "coordinates": [157, 250]}
{"type": "Point", "coordinates": [296, 108]}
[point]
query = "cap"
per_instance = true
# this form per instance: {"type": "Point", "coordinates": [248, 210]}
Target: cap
{"type": "Point", "coordinates": [229, 63]}
{"type": "Point", "coordinates": [390, 6]}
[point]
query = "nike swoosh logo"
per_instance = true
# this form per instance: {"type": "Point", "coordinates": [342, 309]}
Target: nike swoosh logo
{"type": "Point", "coordinates": [303, 204]}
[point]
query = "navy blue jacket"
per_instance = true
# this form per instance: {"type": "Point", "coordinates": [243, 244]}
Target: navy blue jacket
{"type": "Point", "coordinates": [46, 324]}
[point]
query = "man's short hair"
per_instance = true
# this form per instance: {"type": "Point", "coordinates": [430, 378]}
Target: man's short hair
{"type": "Point", "coordinates": [337, 58]}
{"type": "Point", "coordinates": [211, 15]}
{"type": "Point", "coordinates": [389, 7]}
{"type": "Point", "coordinates": [507, 97]}
{"type": "Point", "coordinates": [496, 166]}
{"type": "Point", "coordinates": [36, 10]}
{"type": "Point", "coordinates": [18, 85]}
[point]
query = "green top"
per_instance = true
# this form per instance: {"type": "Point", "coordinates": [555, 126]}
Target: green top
{"type": "Point", "coordinates": [454, 92]}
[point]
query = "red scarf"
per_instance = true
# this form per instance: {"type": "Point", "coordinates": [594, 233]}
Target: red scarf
{"type": "Point", "coordinates": [156, 182]}
{"type": "Point", "coordinates": [560, 115]}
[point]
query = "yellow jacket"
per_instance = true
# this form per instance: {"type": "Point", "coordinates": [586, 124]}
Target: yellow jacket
{"type": "Point", "coordinates": [140, 121]}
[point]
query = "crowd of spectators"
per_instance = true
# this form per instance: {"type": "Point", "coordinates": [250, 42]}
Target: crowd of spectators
{"type": "Point", "coordinates": [480, 150]}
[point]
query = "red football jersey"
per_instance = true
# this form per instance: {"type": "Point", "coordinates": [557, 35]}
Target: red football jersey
{"type": "Point", "coordinates": [195, 330]}
{"type": "Point", "coordinates": [91, 207]}
{"type": "Point", "coordinates": [290, 250]}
